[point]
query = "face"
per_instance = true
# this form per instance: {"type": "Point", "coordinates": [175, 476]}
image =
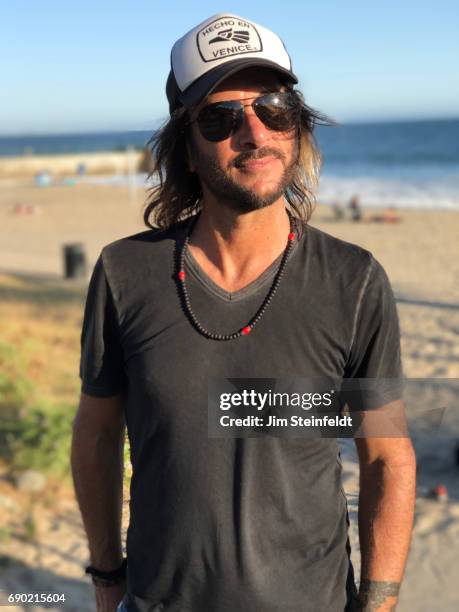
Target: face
{"type": "Point", "coordinates": [252, 167]}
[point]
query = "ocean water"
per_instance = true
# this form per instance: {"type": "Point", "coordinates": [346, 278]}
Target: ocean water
{"type": "Point", "coordinates": [404, 164]}
{"type": "Point", "coordinates": [401, 164]}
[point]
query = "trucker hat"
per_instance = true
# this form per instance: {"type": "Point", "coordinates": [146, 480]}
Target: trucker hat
{"type": "Point", "coordinates": [217, 48]}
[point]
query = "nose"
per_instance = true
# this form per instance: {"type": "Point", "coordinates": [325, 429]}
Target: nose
{"type": "Point", "coordinates": [253, 133]}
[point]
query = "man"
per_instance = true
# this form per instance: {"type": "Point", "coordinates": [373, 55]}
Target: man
{"type": "Point", "coordinates": [234, 284]}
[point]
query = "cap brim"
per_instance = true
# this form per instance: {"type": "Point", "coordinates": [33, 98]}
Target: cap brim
{"type": "Point", "coordinates": [203, 86]}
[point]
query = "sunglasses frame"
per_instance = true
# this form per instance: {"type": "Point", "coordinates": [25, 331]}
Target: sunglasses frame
{"type": "Point", "coordinates": [239, 107]}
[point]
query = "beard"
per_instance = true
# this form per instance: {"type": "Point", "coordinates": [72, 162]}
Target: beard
{"type": "Point", "coordinates": [225, 188]}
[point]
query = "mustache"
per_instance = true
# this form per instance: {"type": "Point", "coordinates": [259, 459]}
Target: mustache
{"type": "Point", "coordinates": [257, 154]}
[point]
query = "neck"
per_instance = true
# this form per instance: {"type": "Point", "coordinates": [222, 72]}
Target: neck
{"type": "Point", "coordinates": [234, 248]}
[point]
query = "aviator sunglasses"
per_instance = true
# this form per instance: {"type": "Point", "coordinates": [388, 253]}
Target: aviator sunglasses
{"type": "Point", "coordinates": [279, 111]}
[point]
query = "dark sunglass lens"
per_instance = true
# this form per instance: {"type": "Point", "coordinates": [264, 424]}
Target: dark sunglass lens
{"type": "Point", "coordinates": [218, 121]}
{"type": "Point", "coordinates": [278, 112]}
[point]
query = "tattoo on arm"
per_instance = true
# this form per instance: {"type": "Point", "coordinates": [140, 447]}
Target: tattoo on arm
{"type": "Point", "coordinates": [375, 593]}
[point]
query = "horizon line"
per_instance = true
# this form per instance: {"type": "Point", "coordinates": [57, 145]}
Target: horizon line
{"type": "Point", "coordinates": [86, 131]}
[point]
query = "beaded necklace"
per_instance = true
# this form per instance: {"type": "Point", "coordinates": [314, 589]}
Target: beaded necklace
{"type": "Point", "coordinates": [246, 329]}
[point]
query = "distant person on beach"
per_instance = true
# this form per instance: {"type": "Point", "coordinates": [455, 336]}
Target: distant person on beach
{"type": "Point", "coordinates": [231, 286]}
{"type": "Point", "coordinates": [81, 169]}
{"type": "Point", "coordinates": [338, 211]}
{"type": "Point", "coordinates": [388, 216]}
{"type": "Point", "coordinates": [354, 207]}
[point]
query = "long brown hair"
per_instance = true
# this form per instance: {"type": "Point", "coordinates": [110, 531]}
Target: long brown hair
{"type": "Point", "coordinates": [177, 193]}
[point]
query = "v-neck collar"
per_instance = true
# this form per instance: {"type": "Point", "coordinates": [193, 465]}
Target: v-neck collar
{"type": "Point", "coordinates": [248, 290]}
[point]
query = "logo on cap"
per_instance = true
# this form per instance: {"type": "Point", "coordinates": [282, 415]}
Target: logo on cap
{"type": "Point", "coordinates": [241, 36]}
{"type": "Point", "coordinates": [226, 37]}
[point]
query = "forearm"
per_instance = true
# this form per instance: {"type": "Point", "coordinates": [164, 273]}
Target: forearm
{"type": "Point", "coordinates": [386, 508]}
{"type": "Point", "coordinates": [97, 468]}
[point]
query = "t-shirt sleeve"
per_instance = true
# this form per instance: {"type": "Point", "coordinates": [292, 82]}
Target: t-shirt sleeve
{"type": "Point", "coordinates": [375, 348]}
{"type": "Point", "coordinates": [102, 370]}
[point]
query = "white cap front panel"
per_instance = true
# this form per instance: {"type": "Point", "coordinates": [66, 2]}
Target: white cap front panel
{"type": "Point", "coordinates": [221, 39]}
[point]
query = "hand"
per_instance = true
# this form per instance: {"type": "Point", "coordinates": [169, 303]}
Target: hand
{"type": "Point", "coordinates": [109, 598]}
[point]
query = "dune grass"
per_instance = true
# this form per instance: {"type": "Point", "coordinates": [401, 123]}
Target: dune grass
{"type": "Point", "coordinates": [40, 325]}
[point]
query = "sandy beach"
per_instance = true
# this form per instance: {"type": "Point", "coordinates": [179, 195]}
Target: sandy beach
{"type": "Point", "coordinates": [420, 255]}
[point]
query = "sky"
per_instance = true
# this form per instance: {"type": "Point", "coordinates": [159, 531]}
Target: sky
{"type": "Point", "coordinates": [102, 65]}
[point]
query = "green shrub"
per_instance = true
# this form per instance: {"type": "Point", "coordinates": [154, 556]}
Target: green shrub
{"type": "Point", "coordinates": [33, 434]}
{"type": "Point", "coordinates": [41, 439]}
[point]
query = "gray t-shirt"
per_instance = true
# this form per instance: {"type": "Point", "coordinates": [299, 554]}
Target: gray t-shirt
{"type": "Point", "coordinates": [226, 525]}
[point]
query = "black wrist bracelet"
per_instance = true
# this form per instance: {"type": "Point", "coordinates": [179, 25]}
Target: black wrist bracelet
{"type": "Point", "coordinates": [112, 577]}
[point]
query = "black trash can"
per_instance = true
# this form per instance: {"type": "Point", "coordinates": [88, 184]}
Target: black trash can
{"type": "Point", "coordinates": [74, 260]}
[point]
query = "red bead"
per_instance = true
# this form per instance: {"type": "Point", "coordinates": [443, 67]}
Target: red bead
{"type": "Point", "coordinates": [182, 275]}
{"type": "Point", "coordinates": [291, 236]}
{"type": "Point", "coordinates": [246, 330]}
